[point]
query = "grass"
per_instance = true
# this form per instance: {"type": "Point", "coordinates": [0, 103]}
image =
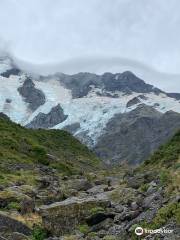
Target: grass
{"type": "Point", "coordinates": [19, 145]}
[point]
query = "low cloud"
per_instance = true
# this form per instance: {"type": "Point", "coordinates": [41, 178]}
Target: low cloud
{"type": "Point", "coordinates": [94, 35]}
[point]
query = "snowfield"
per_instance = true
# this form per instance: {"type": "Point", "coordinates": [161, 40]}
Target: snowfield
{"type": "Point", "coordinates": [92, 111]}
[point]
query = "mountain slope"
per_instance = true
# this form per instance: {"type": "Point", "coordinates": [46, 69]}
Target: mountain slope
{"type": "Point", "coordinates": [84, 104]}
{"type": "Point", "coordinates": [55, 148]}
{"type": "Point", "coordinates": [133, 136]}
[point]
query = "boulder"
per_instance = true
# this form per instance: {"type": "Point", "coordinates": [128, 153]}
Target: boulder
{"type": "Point", "coordinates": [97, 189]}
{"type": "Point", "coordinates": [12, 225]}
{"type": "Point", "coordinates": [81, 185]}
{"type": "Point", "coordinates": [27, 206]}
{"type": "Point", "coordinates": [62, 217]}
{"type": "Point", "coordinates": [18, 236]}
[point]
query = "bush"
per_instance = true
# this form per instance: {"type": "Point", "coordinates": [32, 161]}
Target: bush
{"type": "Point", "coordinates": [13, 205]}
{"type": "Point", "coordinates": [40, 155]}
{"type": "Point", "coordinates": [164, 214]}
{"type": "Point", "coordinates": [38, 233]}
{"type": "Point", "coordinates": [97, 210]}
{"type": "Point", "coordinates": [165, 177]}
{"type": "Point", "coordinates": [84, 228]}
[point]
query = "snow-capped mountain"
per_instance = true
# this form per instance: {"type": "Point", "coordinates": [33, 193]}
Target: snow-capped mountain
{"type": "Point", "coordinates": [93, 108]}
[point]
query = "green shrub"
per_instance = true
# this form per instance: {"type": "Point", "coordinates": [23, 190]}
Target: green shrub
{"type": "Point", "coordinates": [38, 233]}
{"type": "Point", "coordinates": [165, 213]}
{"type": "Point", "coordinates": [84, 228]}
{"type": "Point", "coordinates": [40, 155]}
{"type": "Point", "coordinates": [97, 210]}
{"type": "Point", "coordinates": [14, 205]}
{"type": "Point", "coordinates": [144, 187]}
{"type": "Point", "coordinates": [177, 166]}
{"type": "Point", "coordinates": [165, 177]}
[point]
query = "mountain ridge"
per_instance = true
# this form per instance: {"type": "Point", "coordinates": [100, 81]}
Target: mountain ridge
{"type": "Point", "coordinates": [88, 102]}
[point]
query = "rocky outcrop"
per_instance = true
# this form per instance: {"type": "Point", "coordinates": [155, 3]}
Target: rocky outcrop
{"type": "Point", "coordinates": [133, 101]}
{"type": "Point", "coordinates": [72, 128]}
{"type": "Point", "coordinates": [62, 217]}
{"type": "Point", "coordinates": [132, 137]}
{"type": "Point", "coordinates": [174, 95]}
{"type": "Point", "coordinates": [31, 94]}
{"type": "Point", "coordinates": [126, 82]}
{"type": "Point", "coordinates": [54, 117]}
{"type": "Point", "coordinates": [12, 225]}
{"type": "Point", "coordinates": [9, 72]}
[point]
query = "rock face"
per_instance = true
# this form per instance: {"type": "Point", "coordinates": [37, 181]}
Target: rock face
{"type": "Point", "coordinates": [133, 136]}
{"type": "Point", "coordinates": [13, 225]}
{"type": "Point", "coordinates": [54, 117]}
{"type": "Point", "coordinates": [126, 82]}
{"type": "Point", "coordinates": [9, 72]}
{"type": "Point", "coordinates": [133, 102]}
{"type": "Point", "coordinates": [61, 218]}
{"type": "Point", "coordinates": [32, 95]}
{"type": "Point", "coordinates": [93, 103]}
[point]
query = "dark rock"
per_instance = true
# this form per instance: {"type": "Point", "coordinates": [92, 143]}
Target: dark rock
{"type": "Point", "coordinates": [63, 217]}
{"type": "Point", "coordinates": [103, 225]}
{"type": "Point", "coordinates": [9, 72]}
{"type": "Point", "coordinates": [118, 230]}
{"type": "Point", "coordinates": [72, 128]}
{"type": "Point", "coordinates": [149, 200]}
{"type": "Point", "coordinates": [27, 206]}
{"type": "Point", "coordinates": [126, 82]}
{"type": "Point", "coordinates": [97, 189]}
{"type": "Point", "coordinates": [54, 117]}
{"type": "Point", "coordinates": [134, 206]}
{"type": "Point", "coordinates": [4, 116]}
{"type": "Point", "coordinates": [81, 185]}
{"type": "Point", "coordinates": [2, 238]}
{"type": "Point", "coordinates": [131, 137]}
{"type": "Point", "coordinates": [13, 225]}
{"type": "Point", "coordinates": [98, 217]}
{"type": "Point", "coordinates": [19, 236]}
{"type": "Point", "coordinates": [136, 181]}
{"type": "Point", "coordinates": [119, 208]}
{"type": "Point", "coordinates": [8, 100]}
{"type": "Point", "coordinates": [31, 95]}
{"type": "Point", "coordinates": [133, 101]}
{"type": "Point", "coordinates": [126, 215]}
{"type": "Point", "coordinates": [174, 95]}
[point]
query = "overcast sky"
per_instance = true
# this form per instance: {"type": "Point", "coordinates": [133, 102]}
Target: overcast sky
{"type": "Point", "coordinates": [95, 35]}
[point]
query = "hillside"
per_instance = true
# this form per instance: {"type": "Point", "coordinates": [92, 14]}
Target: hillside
{"type": "Point", "coordinates": [102, 111]}
{"type": "Point", "coordinates": [51, 186]}
{"type": "Point", "coordinates": [22, 148]}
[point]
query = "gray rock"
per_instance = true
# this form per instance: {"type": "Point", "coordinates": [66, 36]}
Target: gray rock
{"type": "Point", "coordinates": [126, 82]}
{"type": "Point", "coordinates": [104, 225]}
{"type": "Point", "coordinates": [133, 101]}
{"type": "Point", "coordinates": [153, 198]}
{"type": "Point", "coordinates": [126, 215]}
{"type": "Point", "coordinates": [19, 236]}
{"type": "Point", "coordinates": [97, 189]}
{"type": "Point", "coordinates": [117, 230]}
{"type": "Point", "coordinates": [72, 128]}
{"type": "Point", "coordinates": [119, 208]}
{"type": "Point", "coordinates": [27, 206]}
{"type": "Point", "coordinates": [9, 72]}
{"type": "Point", "coordinates": [54, 117]}
{"type": "Point", "coordinates": [134, 206]}
{"type": "Point", "coordinates": [63, 217]}
{"type": "Point", "coordinates": [131, 137]}
{"type": "Point", "coordinates": [81, 185]}
{"type": "Point", "coordinates": [31, 95]}
{"type": "Point", "coordinates": [2, 238]}
{"type": "Point", "coordinates": [13, 225]}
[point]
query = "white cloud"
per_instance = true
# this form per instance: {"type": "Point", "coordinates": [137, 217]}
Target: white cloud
{"type": "Point", "coordinates": [64, 31]}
